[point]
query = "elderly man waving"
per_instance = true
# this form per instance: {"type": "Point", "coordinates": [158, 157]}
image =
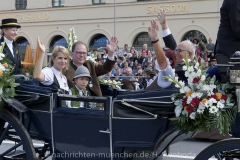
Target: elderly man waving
{"type": "Point", "coordinates": [163, 65]}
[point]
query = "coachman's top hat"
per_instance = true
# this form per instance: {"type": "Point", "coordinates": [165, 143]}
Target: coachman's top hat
{"type": "Point", "coordinates": [9, 22]}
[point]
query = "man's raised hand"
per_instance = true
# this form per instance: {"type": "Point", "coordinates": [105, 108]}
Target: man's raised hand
{"type": "Point", "coordinates": [111, 47]}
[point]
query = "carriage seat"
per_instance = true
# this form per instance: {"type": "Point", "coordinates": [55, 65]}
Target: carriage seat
{"type": "Point", "coordinates": [223, 65]}
{"type": "Point", "coordinates": [27, 82]}
{"type": "Point", "coordinates": [34, 89]}
{"type": "Point", "coordinates": [107, 90]}
{"type": "Point", "coordinates": [222, 62]}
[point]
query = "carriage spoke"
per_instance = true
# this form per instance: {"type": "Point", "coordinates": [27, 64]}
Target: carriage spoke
{"type": "Point", "coordinates": [10, 149]}
{"type": "Point", "coordinates": [4, 133]}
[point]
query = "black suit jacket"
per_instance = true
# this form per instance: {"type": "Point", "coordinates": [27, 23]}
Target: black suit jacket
{"type": "Point", "coordinates": [14, 61]}
{"type": "Point", "coordinates": [170, 42]}
{"type": "Point", "coordinates": [228, 37]}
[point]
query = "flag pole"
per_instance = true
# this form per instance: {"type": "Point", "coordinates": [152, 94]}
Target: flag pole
{"type": "Point", "coordinates": [114, 17]}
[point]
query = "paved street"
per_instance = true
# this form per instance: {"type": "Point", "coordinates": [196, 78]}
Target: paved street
{"type": "Point", "coordinates": [184, 150]}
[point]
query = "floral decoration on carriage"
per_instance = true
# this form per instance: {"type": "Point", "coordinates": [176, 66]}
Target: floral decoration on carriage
{"type": "Point", "coordinates": [7, 81]}
{"type": "Point", "coordinates": [202, 103]}
{"type": "Point", "coordinates": [113, 83]}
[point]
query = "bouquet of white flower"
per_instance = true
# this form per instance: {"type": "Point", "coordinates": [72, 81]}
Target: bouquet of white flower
{"type": "Point", "coordinates": [202, 103]}
{"type": "Point", "coordinates": [113, 83]}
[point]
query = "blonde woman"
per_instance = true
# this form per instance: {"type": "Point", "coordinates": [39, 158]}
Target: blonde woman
{"type": "Point", "coordinates": [52, 76]}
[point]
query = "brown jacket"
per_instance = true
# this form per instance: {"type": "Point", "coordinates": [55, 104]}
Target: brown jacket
{"type": "Point", "coordinates": [95, 70]}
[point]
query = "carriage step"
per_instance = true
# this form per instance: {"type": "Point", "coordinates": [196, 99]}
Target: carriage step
{"type": "Point", "coordinates": [14, 155]}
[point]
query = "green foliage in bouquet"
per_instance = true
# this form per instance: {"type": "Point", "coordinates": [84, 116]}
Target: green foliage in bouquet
{"type": "Point", "coordinates": [7, 81]}
{"type": "Point", "coordinates": [202, 103]}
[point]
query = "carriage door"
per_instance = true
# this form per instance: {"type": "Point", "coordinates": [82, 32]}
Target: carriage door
{"type": "Point", "coordinates": [82, 133]}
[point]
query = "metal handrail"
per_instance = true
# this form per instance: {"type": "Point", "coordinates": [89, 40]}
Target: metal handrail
{"type": "Point", "coordinates": [157, 102]}
{"type": "Point", "coordinates": [123, 76]}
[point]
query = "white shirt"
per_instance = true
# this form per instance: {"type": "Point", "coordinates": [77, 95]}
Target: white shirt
{"type": "Point", "coordinates": [111, 58]}
{"type": "Point", "coordinates": [166, 32]}
{"type": "Point", "coordinates": [9, 44]}
{"type": "Point", "coordinates": [49, 77]}
{"type": "Point", "coordinates": [168, 71]}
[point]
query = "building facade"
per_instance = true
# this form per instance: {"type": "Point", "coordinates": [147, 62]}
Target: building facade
{"type": "Point", "coordinates": [95, 21]}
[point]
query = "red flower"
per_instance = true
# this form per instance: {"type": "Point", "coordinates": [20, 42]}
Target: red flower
{"type": "Point", "coordinates": [195, 102]}
{"type": "Point", "coordinates": [189, 109]}
{"type": "Point", "coordinates": [184, 101]}
{"type": "Point", "coordinates": [196, 80]}
{"type": "Point", "coordinates": [212, 96]}
{"type": "Point", "coordinates": [224, 97]}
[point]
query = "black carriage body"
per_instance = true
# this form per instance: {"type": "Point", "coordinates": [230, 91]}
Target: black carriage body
{"type": "Point", "coordinates": [130, 126]}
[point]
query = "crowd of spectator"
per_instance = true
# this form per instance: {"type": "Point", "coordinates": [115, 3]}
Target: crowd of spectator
{"type": "Point", "coordinates": [139, 65]}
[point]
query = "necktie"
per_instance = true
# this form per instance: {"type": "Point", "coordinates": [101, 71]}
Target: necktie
{"type": "Point", "coordinates": [83, 94]}
{"type": "Point", "coordinates": [11, 49]}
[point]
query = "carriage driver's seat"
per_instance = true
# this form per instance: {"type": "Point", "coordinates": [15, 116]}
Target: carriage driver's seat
{"type": "Point", "coordinates": [223, 66]}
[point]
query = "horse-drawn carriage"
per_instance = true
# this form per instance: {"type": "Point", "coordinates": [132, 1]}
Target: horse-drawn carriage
{"type": "Point", "coordinates": [127, 127]}
{"type": "Point", "coordinates": [132, 125]}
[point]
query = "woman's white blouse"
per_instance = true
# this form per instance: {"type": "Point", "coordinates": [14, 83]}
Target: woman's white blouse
{"type": "Point", "coordinates": [49, 77]}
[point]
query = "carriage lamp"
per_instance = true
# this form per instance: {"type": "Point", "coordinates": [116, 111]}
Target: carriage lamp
{"type": "Point", "coordinates": [235, 69]}
{"type": "Point", "coordinates": [235, 74]}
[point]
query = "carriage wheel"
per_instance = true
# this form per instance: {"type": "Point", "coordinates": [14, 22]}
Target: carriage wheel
{"type": "Point", "coordinates": [228, 149]}
{"type": "Point", "coordinates": [15, 142]}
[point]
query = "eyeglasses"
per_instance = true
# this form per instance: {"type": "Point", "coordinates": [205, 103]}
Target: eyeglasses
{"type": "Point", "coordinates": [165, 48]}
{"type": "Point", "coordinates": [80, 53]}
{"type": "Point", "coordinates": [179, 50]}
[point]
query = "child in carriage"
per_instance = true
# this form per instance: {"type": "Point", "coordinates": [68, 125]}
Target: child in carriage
{"type": "Point", "coordinates": [81, 80]}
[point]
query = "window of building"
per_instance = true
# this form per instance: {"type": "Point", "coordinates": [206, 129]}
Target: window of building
{"type": "Point", "coordinates": [58, 3]}
{"type": "Point", "coordinates": [142, 38]}
{"type": "Point", "coordinates": [22, 43]}
{"type": "Point", "coordinates": [190, 35]}
{"type": "Point", "coordinates": [99, 1]}
{"type": "Point", "coordinates": [49, 55]}
{"type": "Point", "coordinates": [144, 0]}
{"type": "Point", "coordinates": [97, 42]}
{"type": "Point", "coordinates": [21, 4]}
{"type": "Point", "coordinates": [58, 41]}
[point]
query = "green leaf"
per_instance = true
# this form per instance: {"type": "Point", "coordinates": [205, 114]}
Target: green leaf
{"type": "Point", "coordinates": [2, 104]}
{"type": "Point", "coordinates": [1, 84]}
{"type": "Point", "coordinates": [15, 84]}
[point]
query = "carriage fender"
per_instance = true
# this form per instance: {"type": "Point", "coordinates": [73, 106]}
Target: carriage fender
{"type": "Point", "coordinates": [18, 105]}
{"type": "Point", "coordinates": [170, 137]}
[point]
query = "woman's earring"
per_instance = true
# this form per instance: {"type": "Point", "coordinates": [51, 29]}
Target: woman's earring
{"type": "Point", "coordinates": [90, 84]}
